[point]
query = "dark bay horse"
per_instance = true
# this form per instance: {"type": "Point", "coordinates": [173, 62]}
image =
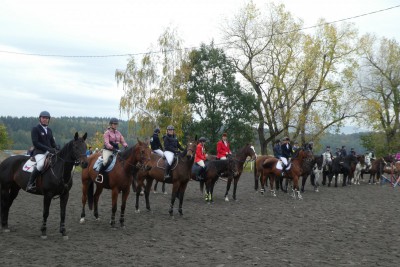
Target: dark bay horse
{"type": "Point", "coordinates": [119, 179]}
{"type": "Point", "coordinates": [56, 180]}
{"type": "Point", "coordinates": [342, 165]}
{"type": "Point", "coordinates": [301, 158]}
{"type": "Point", "coordinates": [314, 170]}
{"type": "Point", "coordinates": [240, 158]}
{"type": "Point", "coordinates": [180, 171]}
{"type": "Point", "coordinates": [214, 170]}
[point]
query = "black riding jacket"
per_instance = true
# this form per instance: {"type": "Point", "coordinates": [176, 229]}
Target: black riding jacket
{"type": "Point", "coordinates": [155, 142]}
{"type": "Point", "coordinates": [42, 141]}
{"type": "Point", "coordinates": [171, 143]}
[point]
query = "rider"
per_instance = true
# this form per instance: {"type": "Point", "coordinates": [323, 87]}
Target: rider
{"type": "Point", "coordinates": [155, 143]}
{"type": "Point", "coordinates": [337, 153]}
{"type": "Point", "coordinates": [295, 147]}
{"type": "Point", "coordinates": [112, 138]}
{"type": "Point", "coordinates": [286, 150]}
{"type": "Point", "coordinates": [43, 143]}
{"type": "Point", "coordinates": [171, 146]}
{"type": "Point", "coordinates": [343, 152]}
{"type": "Point", "coordinates": [277, 149]}
{"type": "Point", "coordinates": [200, 157]}
{"type": "Point", "coordinates": [327, 156]}
{"type": "Point", "coordinates": [309, 146]}
{"type": "Point", "coordinates": [223, 147]}
{"type": "Point", "coordinates": [353, 152]}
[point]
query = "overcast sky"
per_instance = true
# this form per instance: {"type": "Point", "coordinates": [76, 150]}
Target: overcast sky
{"type": "Point", "coordinates": [74, 86]}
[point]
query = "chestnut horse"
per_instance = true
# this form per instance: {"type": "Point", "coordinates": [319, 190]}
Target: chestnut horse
{"type": "Point", "coordinates": [259, 175]}
{"type": "Point", "coordinates": [181, 170]}
{"type": "Point", "coordinates": [301, 158]}
{"type": "Point", "coordinates": [119, 179]}
{"type": "Point", "coordinates": [56, 180]}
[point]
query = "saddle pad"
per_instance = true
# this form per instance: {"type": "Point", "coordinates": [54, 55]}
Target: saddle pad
{"type": "Point", "coordinates": [279, 165]}
{"type": "Point", "coordinates": [99, 161]}
{"type": "Point", "coordinates": [29, 165]}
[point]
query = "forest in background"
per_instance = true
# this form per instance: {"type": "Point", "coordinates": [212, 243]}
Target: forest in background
{"type": "Point", "coordinates": [64, 128]}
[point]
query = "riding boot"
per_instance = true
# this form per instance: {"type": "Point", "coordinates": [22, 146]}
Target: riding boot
{"type": "Point", "coordinates": [167, 176]}
{"type": "Point", "coordinates": [31, 187]}
{"type": "Point", "coordinates": [200, 176]}
{"type": "Point", "coordinates": [99, 177]}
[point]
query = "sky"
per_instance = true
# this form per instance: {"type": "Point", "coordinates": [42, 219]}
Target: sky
{"type": "Point", "coordinates": [86, 86]}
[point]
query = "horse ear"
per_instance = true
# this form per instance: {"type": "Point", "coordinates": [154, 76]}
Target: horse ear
{"type": "Point", "coordinates": [84, 136]}
{"type": "Point", "coordinates": [195, 137]}
{"type": "Point", "coordinates": [76, 136]}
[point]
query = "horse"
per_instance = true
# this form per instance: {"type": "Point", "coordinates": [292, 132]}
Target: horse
{"type": "Point", "coordinates": [342, 165]}
{"type": "Point", "coordinates": [314, 170]}
{"type": "Point", "coordinates": [240, 158]}
{"type": "Point", "coordinates": [259, 175]}
{"type": "Point", "coordinates": [302, 158]}
{"type": "Point", "coordinates": [360, 166]}
{"type": "Point", "coordinates": [376, 169]}
{"type": "Point", "coordinates": [118, 179]}
{"type": "Point", "coordinates": [54, 180]}
{"type": "Point", "coordinates": [215, 169]}
{"type": "Point", "coordinates": [180, 170]}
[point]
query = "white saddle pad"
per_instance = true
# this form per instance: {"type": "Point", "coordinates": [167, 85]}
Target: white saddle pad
{"type": "Point", "coordinates": [29, 165]}
{"type": "Point", "coordinates": [99, 161]}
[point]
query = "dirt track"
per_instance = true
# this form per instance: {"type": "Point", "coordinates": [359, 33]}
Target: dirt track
{"type": "Point", "coordinates": [351, 226]}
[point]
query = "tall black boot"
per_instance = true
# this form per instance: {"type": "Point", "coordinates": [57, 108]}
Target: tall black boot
{"type": "Point", "coordinates": [31, 187]}
{"type": "Point", "coordinates": [167, 176]}
{"type": "Point", "coordinates": [200, 176]}
{"type": "Point", "coordinates": [99, 177]}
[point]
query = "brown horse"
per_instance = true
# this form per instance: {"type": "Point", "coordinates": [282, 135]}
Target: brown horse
{"type": "Point", "coordinates": [259, 175]}
{"type": "Point", "coordinates": [301, 158]}
{"type": "Point", "coordinates": [214, 170]}
{"type": "Point", "coordinates": [240, 158]}
{"type": "Point", "coordinates": [181, 170]}
{"type": "Point", "coordinates": [56, 180]}
{"type": "Point", "coordinates": [118, 179]}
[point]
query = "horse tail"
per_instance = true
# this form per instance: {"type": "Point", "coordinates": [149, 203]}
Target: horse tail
{"type": "Point", "coordinates": [255, 176]}
{"type": "Point", "coordinates": [90, 194]}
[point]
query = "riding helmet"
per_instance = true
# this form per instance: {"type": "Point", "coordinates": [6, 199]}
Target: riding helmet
{"type": "Point", "coordinates": [113, 121]}
{"type": "Point", "coordinates": [203, 139]}
{"type": "Point", "coordinates": [157, 130]}
{"type": "Point", "coordinates": [170, 127]}
{"type": "Point", "coordinates": [44, 114]}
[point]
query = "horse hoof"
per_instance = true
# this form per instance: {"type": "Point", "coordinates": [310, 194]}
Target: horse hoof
{"type": "Point", "coordinates": [226, 199]}
{"type": "Point", "coordinates": [155, 192]}
{"type": "Point", "coordinates": [82, 221]}
{"type": "Point", "coordinates": [6, 230]}
{"type": "Point", "coordinates": [137, 211]}
{"type": "Point", "coordinates": [65, 237]}
{"type": "Point", "coordinates": [43, 237]}
{"type": "Point", "coordinates": [97, 219]}
{"type": "Point", "coordinates": [165, 193]}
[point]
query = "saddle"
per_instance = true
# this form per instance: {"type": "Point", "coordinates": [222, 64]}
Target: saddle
{"type": "Point", "coordinates": [30, 164]}
{"type": "Point", "coordinates": [108, 167]}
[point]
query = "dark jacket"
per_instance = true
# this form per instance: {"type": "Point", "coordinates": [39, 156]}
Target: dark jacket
{"type": "Point", "coordinates": [42, 141]}
{"type": "Point", "coordinates": [155, 142]}
{"type": "Point", "coordinates": [286, 150]}
{"type": "Point", "coordinates": [277, 151]}
{"type": "Point", "coordinates": [171, 143]}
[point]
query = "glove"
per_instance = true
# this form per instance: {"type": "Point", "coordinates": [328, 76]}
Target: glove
{"type": "Point", "coordinates": [52, 150]}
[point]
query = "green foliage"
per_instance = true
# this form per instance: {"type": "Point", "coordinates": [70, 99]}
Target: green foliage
{"type": "Point", "coordinates": [5, 141]}
{"type": "Point", "coordinates": [217, 99]}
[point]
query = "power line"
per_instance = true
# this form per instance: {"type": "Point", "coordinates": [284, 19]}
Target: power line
{"type": "Point", "coordinates": [188, 48]}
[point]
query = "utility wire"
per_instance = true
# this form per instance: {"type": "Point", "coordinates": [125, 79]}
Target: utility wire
{"type": "Point", "coordinates": [189, 48]}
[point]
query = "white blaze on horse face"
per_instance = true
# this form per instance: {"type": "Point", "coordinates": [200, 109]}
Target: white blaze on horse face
{"type": "Point", "coordinates": [252, 147]}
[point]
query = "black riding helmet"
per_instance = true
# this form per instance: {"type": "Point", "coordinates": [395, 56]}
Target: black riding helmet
{"type": "Point", "coordinates": [44, 114]}
{"type": "Point", "coordinates": [113, 121]}
{"type": "Point", "coordinates": [157, 130]}
{"type": "Point", "coordinates": [203, 139]}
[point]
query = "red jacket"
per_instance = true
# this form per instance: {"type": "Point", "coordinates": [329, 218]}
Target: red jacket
{"type": "Point", "coordinates": [200, 154]}
{"type": "Point", "coordinates": [222, 149]}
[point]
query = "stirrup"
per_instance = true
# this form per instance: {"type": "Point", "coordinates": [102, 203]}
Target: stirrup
{"type": "Point", "coordinates": [99, 178]}
{"type": "Point", "coordinates": [31, 188]}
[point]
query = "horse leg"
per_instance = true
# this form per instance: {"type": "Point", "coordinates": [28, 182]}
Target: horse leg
{"type": "Point", "coordinates": [303, 182]}
{"type": "Point", "coordinates": [63, 206]}
{"type": "Point", "coordinates": [235, 182]}
{"type": "Point", "coordinates": [163, 189]}
{"type": "Point", "coordinates": [114, 202]}
{"type": "Point", "coordinates": [296, 187]}
{"type": "Point", "coordinates": [46, 206]}
{"type": "Point", "coordinates": [175, 188]}
{"type": "Point", "coordinates": [96, 197]}
{"type": "Point", "coordinates": [7, 198]}
{"type": "Point", "coordinates": [345, 177]}
{"type": "Point", "coordinates": [263, 180]}
{"type": "Point", "coordinates": [147, 193]}
{"type": "Point", "coordinates": [271, 185]}
{"type": "Point", "coordinates": [181, 194]}
{"type": "Point", "coordinates": [125, 194]}
{"type": "Point", "coordinates": [84, 199]}
{"type": "Point", "coordinates": [228, 186]}
{"type": "Point", "coordinates": [155, 187]}
{"type": "Point", "coordinates": [137, 210]}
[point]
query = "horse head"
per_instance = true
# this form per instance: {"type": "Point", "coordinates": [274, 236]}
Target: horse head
{"type": "Point", "coordinates": [191, 149]}
{"type": "Point", "coordinates": [142, 154]}
{"type": "Point", "coordinates": [79, 150]}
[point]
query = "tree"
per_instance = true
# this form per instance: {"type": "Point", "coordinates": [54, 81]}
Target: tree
{"type": "Point", "coordinates": [379, 86]}
{"type": "Point", "coordinates": [153, 90]}
{"type": "Point", "coordinates": [298, 78]}
{"type": "Point", "coordinates": [217, 99]}
{"type": "Point", "coordinates": [5, 142]}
